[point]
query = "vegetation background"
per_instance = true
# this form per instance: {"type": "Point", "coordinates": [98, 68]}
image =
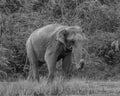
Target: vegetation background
{"type": "Point", "coordinates": [100, 20]}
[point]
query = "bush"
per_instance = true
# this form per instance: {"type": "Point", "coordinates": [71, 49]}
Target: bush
{"type": "Point", "coordinates": [10, 6]}
{"type": "Point", "coordinates": [57, 12]}
{"type": "Point", "coordinates": [4, 62]}
{"type": "Point", "coordinates": [39, 5]}
{"type": "Point", "coordinates": [95, 16]}
{"type": "Point", "coordinates": [14, 37]}
{"type": "Point", "coordinates": [109, 2]}
{"type": "Point", "coordinates": [101, 46]}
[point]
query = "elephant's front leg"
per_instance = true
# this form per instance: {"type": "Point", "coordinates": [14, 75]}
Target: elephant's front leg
{"type": "Point", "coordinates": [51, 58]}
{"type": "Point", "coordinates": [67, 60]}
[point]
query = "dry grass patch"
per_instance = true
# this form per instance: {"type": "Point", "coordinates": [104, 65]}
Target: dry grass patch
{"type": "Point", "coordinates": [60, 88]}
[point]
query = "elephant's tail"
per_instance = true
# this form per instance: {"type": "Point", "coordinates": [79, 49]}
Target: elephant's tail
{"type": "Point", "coordinates": [33, 50]}
{"type": "Point", "coordinates": [26, 63]}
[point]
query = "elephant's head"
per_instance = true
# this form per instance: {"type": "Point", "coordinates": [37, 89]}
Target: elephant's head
{"type": "Point", "coordinates": [69, 36]}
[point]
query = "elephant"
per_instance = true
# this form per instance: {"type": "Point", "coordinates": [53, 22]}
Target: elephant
{"type": "Point", "coordinates": [50, 44]}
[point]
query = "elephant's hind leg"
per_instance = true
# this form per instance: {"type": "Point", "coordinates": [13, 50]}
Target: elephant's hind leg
{"type": "Point", "coordinates": [33, 70]}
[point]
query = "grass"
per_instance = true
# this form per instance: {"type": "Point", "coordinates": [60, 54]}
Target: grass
{"type": "Point", "coordinates": [73, 87]}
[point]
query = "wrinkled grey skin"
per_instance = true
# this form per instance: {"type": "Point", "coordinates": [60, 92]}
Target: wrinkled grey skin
{"type": "Point", "coordinates": [50, 44]}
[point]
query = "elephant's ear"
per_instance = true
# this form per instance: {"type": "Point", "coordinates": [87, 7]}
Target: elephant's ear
{"type": "Point", "coordinates": [61, 36]}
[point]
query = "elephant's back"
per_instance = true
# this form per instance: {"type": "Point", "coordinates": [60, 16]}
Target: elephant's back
{"type": "Point", "coordinates": [46, 30]}
{"type": "Point", "coordinates": [40, 39]}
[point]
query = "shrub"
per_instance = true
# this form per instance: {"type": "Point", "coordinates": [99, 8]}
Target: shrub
{"type": "Point", "coordinates": [4, 62]}
{"type": "Point", "coordinates": [10, 6]}
{"type": "Point", "coordinates": [57, 12]}
{"type": "Point", "coordinates": [39, 5]}
{"type": "Point", "coordinates": [95, 16]}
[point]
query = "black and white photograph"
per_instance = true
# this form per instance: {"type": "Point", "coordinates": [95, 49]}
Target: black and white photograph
{"type": "Point", "coordinates": [59, 47]}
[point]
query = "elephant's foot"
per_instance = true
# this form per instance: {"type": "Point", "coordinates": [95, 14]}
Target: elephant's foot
{"type": "Point", "coordinates": [50, 78]}
{"type": "Point", "coordinates": [33, 78]}
{"type": "Point", "coordinates": [67, 75]}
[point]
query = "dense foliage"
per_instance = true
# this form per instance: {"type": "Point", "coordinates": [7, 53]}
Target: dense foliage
{"type": "Point", "coordinates": [100, 20]}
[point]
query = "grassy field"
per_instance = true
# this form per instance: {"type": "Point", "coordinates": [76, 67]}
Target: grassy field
{"type": "Point", "coordinates": [73, 87]}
